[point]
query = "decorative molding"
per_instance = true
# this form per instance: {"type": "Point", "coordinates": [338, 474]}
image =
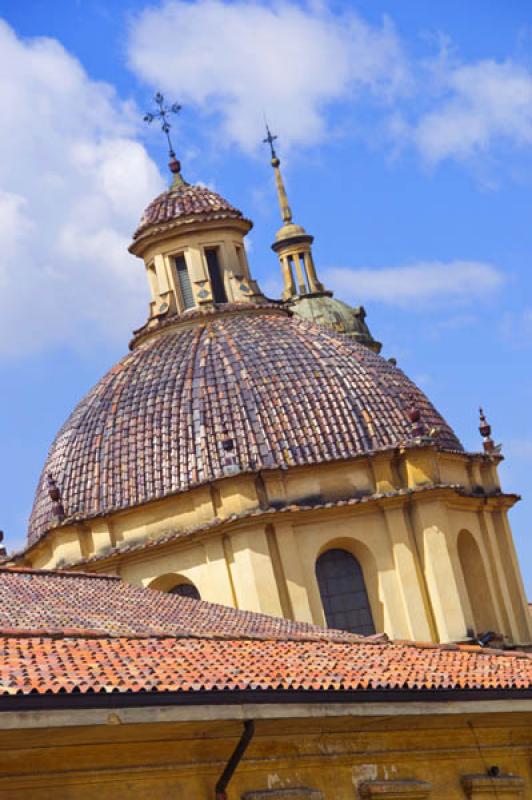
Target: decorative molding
{"type": "Point", "coordinates": [501, 787]}
{"type": "Point", "coordinates": [295, 793]}
{"type": "Point", "coordinates": [394, 789]}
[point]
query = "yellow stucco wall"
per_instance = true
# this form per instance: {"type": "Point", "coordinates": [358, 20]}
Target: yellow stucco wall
{"type": "Point", "coordinates": [428, 529]}
{"type": "Point", "coordinates": [341, 757]}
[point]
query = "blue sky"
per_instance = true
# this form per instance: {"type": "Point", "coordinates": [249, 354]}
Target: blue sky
{"type": "Point", "coordinates": [405, 130]}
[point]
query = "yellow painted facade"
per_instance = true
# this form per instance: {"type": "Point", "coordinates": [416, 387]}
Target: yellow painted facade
{"type": "Point", "coordinates": [438, 561]}
{"type": "Point", "coordinates": [296, 753]}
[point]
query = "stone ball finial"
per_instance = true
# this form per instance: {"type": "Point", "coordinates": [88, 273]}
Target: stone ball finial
{"type": "Point", "coordinates": [174, 165]}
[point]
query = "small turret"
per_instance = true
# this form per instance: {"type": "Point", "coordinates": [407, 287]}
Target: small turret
{"type": "Point", "coordinates": [303, 291]}
{"type": "Point", "coordinates": [293, 244]}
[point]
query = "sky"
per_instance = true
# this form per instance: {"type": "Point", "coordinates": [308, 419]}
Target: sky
{"type": "Point", "coordinates": [405, 132]}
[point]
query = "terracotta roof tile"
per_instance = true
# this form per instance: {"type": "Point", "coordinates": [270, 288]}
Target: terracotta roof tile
{"type": "Point", "coordinates": [285, 393]}
{"type": "Point", "coordinates": [47, 665]}
{"type": "Point", "coordinates": [66, 633]}
{"type": "Point", "coordinates": [52, 600]}
{"type": "Point", "coordinates": [185, 203]}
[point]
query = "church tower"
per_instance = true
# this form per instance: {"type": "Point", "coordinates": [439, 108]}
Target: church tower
{"type": "Point", "coordinates": [244, 454]}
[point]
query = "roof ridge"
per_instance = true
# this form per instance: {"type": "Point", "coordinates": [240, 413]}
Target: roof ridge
{"type": "Point", "coordinates": [88, 633]}
{"type": "Point", "coordinates": [380, 640]}
{"type": "Point", "coordinates": [67, 573]}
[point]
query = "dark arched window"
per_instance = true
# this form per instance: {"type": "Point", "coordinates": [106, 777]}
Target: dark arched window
{"type": "Point", "coordinates": [186, 590]}
{"type": "Point", "coordinates": [343, 592]}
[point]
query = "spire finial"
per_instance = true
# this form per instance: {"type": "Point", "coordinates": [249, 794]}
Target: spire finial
{"type": "Point", "coordinates": [162, 113]}
{"type": "Point", "coordinates": [286, 212]}
{"type": "Point", "coordinates": [485, 432]}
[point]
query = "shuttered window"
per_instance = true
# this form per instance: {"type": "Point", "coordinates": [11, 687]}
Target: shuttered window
{"type": "Point", "coordinates": [183, 279]}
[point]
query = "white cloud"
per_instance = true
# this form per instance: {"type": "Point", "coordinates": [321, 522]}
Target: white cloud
{"type": "Point", "coordinates": [241, 59]}
{"type": "Point", "coordinates": [482, 104]}
{"type": "Point", "coordinates": [73, 183]}
{"type": "Point", "coordinates": [417, 285]}
{"type": "Point", "coordinates": [516, 327]}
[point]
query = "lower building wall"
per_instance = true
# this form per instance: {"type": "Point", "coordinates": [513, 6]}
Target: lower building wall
{"type": "Point", "coordinates": [348, 757]}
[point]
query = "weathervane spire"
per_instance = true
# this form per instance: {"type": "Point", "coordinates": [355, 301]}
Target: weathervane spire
{"type": "Point", "coordinates": [162, 113]}
{"type": "Point", "coordinates": [286, 212]}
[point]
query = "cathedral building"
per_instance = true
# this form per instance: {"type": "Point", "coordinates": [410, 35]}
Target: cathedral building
{"type": "Point", "coordinates": [261, 453]}
{"type": "Point", "coordinates": [260, 564]}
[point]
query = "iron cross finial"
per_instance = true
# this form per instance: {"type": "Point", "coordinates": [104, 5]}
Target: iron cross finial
{"type": "Point", "coordinates": [162, 113]}
{"type": "Point", "coordinates": [270, 139]}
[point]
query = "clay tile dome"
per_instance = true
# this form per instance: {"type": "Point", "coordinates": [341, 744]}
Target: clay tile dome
{"type": "Point", "coordinates": [185, 203]}
{"type": "Point", "coordinates": [275, 391]}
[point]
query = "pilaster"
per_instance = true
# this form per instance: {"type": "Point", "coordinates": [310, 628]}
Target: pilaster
{"type": "Point", "coordinates": [252, 572]}
{"type": "Point", "coordinates": [294, 576]}
{"type": "Point", "coordinates": [409, 575]}
{"type": "Point", "coordinates": [433, 538]}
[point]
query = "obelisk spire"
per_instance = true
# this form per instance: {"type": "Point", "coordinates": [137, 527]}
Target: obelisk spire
{"type": "Point", "coordinates": [286, 212]}
{"type": "Point", "coordinates": [292, 242]}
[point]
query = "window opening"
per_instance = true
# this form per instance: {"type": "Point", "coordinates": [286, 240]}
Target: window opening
{"type": "Point", "coordinates": [343, 592]}
{"type": "Point", "coordinates": [215, 274]}
{"type": "Point", "coordinates": [183, 279]}
{"type": "Point", "coordinates": [186, 590]}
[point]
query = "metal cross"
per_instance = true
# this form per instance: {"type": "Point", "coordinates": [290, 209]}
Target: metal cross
{"type": "Point", "coordinates": [270, 139]}
{"type": "Point", "coordinates": [162, 113]}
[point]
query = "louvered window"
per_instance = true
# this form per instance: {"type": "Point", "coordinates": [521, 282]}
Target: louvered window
{"type": "Point", "coordinates": [343, 592]}
{"type": "Point", "coordinates": [183, 279]}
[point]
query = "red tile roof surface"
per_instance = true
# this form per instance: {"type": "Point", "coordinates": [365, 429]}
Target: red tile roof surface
{"type": "Point", "coordinates": [285, 393]}
{"type": "Point", "coordinates": [186, 203]}
{"type": "Point", "coordinates": [48, 601]}
{"type": "Point", "coordinates": [200, 647]}
{"type": "Point", "coordinates": [47, 665]}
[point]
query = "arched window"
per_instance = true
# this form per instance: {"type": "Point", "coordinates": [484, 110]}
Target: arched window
{"type": "Point", "coordinates": [343, 592]}
{"type": "Point", "coordinates": [185, 590]}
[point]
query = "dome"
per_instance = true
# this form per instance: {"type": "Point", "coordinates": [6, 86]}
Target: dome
{"type": "Point", "coordinates": [184, 203]}
{"type": "Point", "coordinates": [291, 231]}
{"type": "Point", "coordinates": [274, 390]}
{"type": "Point", "coordinates": [326, 310]}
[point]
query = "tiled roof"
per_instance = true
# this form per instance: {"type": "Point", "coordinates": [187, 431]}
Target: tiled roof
{"type": "Point", "coordinates": [70, 633]}
{"type": "Point", "coordinates": [51, 601]}
{"type": "Point", "coordinates": [52, 665]}
{"type": "Point", "coordinates": [279, 391]}
{"type": "Point", "coordinates": [186, 203]}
